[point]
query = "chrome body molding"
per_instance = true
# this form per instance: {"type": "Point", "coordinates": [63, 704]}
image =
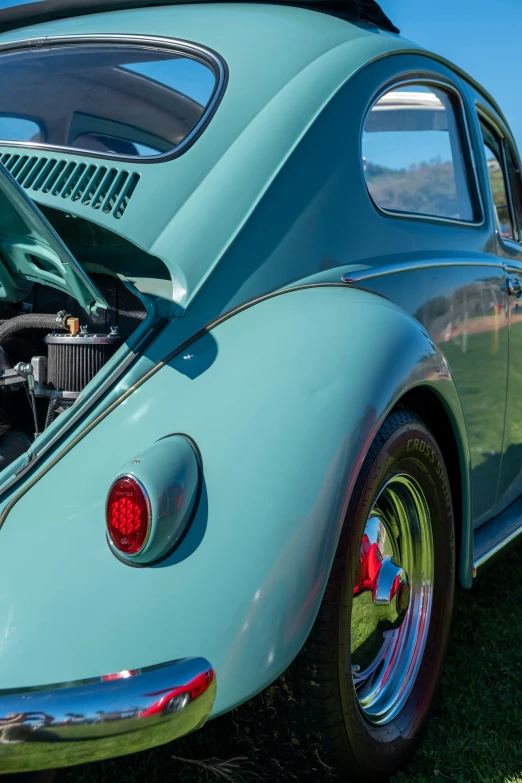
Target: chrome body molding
{"type": "Point", "coordinates": [410, 266]}
{"type": "Point", "coordinates": [497, 536]}
{"type": "Point", "coordinates": [488, 557]}
{"type": "Point", "coordinates": [77, 722]}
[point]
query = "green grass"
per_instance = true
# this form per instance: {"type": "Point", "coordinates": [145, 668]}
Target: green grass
{"type": "Point", "coordinates": [475, 733]}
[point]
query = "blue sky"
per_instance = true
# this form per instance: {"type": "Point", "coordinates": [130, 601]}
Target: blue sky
{"type": "Point", "coordinates": [482, 36]}
{"type": "Point", "coordinates": [185, 75]}
{"type": "Point", "coordinates": [8, 3]}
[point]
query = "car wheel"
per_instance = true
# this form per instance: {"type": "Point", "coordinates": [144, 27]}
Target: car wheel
{"type": "Point", "coordinates": [368, 673]}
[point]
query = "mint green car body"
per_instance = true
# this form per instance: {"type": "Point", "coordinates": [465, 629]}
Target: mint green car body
{"type": "Point", "coordinates": [279, 371]}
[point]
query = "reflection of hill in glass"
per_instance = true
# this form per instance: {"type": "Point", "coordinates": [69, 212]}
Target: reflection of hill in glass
{"type": "Point", "coordinates": [427, 188]}
{"type": "Point", "coordinates": [497, 182]}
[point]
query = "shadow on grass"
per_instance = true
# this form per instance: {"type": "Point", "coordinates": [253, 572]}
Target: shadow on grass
{"type": "Point", "coordinates": [475, 733]}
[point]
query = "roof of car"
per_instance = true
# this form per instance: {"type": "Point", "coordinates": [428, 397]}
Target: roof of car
{"type": "Point", "coordinates": [284, 63]}
{"type": "Point", "coordinates": [23, 13]}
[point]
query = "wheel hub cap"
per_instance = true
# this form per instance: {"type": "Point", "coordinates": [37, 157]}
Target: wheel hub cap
{"type": "Point", "coordinates": [392, 590]}
{"type": "Point", "coordinates": [388, 583]}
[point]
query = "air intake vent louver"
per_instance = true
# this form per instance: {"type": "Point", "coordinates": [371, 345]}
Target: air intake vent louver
{"type": "Point", "coordinates": [99, 187]}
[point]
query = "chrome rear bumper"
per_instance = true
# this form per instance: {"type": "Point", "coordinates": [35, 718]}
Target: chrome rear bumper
{"type": "Point", "coordinates": [76, 722]}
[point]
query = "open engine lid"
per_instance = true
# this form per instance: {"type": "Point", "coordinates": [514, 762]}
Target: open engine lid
{"type": "Point", "coordinates": [32, 252]}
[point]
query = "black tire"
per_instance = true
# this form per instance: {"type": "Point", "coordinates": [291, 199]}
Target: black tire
{"type": "Point", "coordinates": [356, 748]}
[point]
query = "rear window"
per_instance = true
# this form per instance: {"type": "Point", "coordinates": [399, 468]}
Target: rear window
{"type": "Point", "coordinates": [113, 99]}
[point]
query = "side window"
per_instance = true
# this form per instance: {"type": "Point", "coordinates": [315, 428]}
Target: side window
{"type": "Point", "coordinates": [413, 156]}
{"type": "Point", "coordinates": [516, 192]}
{"type": "Point", "coordinates": [498, 182]}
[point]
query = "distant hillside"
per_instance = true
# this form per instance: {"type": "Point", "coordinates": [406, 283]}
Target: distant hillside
{"type": "Point", "coordinates": [427, 188]}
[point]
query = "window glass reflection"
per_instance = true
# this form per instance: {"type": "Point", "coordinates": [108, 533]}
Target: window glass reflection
{"type": "Point", "coordinates": [19, 129]}
{"type": "Point", "coordinates": [124, 100]}
{"type": "Point", "coordinates": [513, 176]}
{"type": "Point", "coordinates": [499, 190]}
{"type": "Point", "coordinates": [412, 154]}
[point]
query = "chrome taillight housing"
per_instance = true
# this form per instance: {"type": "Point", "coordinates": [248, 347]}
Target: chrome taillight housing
{"type": "Point", "coordinates": [153, 500]}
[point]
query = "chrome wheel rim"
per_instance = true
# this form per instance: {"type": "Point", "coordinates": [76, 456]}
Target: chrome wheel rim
{"type": "Point", "coordinates": [392, 596]}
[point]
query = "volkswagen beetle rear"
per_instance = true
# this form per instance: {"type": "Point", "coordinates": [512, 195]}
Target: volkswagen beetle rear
{"type": "Point", "coordinates": [135, 145]}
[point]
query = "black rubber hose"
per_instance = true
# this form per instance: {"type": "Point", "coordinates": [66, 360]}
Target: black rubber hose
{"type": "Point", "coordinates": [137, 315]}
{"type": "Point", "coordinates": [28, 321]}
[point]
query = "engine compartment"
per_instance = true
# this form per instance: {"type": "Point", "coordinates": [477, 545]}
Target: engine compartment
{"type": "Point", "coordinates": [50, 350]}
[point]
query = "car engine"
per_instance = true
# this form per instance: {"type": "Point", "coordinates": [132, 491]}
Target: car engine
{"type": "Point", "coordinates": [47, 358]}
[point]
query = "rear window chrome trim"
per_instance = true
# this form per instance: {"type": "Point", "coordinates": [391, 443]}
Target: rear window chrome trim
{"type": "Point", "coordinates": [429, 80]}
{"type": "Point", "coordinates": [187, 48]}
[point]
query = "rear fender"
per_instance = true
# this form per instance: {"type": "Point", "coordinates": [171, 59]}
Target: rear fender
{"type": "Point", "coordinates": [283, 400]}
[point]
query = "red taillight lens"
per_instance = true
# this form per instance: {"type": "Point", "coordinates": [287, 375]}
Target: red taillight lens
{"type": "Point", "coordinates": [128, 515]}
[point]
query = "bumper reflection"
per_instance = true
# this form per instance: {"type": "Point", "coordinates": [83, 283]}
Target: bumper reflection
{"type": "Point", "coordinates": [120, 713]}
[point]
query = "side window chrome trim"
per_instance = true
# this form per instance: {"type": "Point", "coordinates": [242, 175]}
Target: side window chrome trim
{"type": "Point", "coordinates": [429, 80]}
{"type": "Point", "coordinates": [490, 119]}
{"type": "Point", "coordinates": [187, 48]}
